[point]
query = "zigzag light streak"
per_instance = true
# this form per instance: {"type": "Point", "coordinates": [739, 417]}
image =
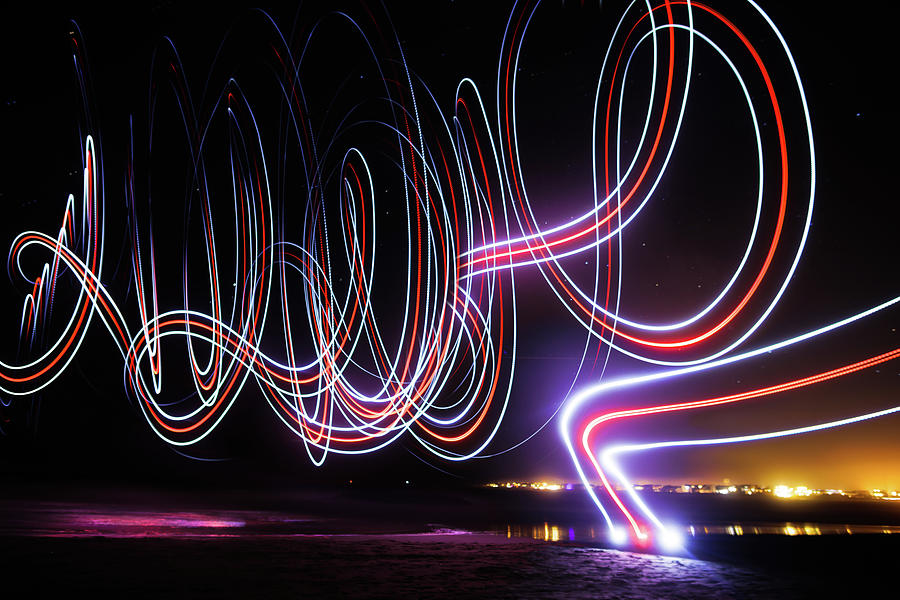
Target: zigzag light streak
{"type": "Point", "coordinates": [350, 377]}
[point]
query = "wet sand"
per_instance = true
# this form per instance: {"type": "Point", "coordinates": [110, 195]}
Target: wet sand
{"type": "Point", "coordinates": [477, 566]}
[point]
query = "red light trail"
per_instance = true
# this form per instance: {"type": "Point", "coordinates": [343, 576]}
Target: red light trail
{"type": "Point", "coordinates": [353, 345]}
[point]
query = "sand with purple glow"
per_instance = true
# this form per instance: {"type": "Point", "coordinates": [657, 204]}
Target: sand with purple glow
{"type": "Point", "coordinates": [371, 566]}
{"type": "Point", "coordinates": [380, 544]}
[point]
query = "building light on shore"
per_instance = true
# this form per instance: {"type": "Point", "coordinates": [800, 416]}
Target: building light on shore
{"type": "Point", "coordinates": [541, 486]}
{"type": "Point", "coordinates": [546, 487]}
{"type": "Point", "coordinates": [783, 491]}
{"type": "Point", "coordinates": [778, 491]}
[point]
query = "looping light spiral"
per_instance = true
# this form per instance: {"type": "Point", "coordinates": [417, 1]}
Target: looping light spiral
{"type": "Point", "coordinates": [358, 265]}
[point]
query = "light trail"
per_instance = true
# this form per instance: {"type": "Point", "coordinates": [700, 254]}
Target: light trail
{"type": "Point", "coordinates": [359, 265]}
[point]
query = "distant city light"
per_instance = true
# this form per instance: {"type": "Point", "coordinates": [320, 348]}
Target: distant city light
{"type": "Point", "coordinates": [783, 491]}
{"type": "Point", "coordinates": [541, 486]}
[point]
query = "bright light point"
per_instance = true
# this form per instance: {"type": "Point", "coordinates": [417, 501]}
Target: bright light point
{"type": "Point", "coordinates": [670, 539]}
{"type": "Point", "coordinates": [618, 536]}
{"type": "Point", "coordinates": [783, 491]}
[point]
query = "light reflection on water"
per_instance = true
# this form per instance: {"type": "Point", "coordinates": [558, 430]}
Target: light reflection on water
{"type": "Point", "coordinates": [73, 520]}
{"type": "Point", "coordinates": [791, 529]}
{"type": "Point", "coordinates": [549, 532]}
{"type": "Point", "coordinates": [545, 532]}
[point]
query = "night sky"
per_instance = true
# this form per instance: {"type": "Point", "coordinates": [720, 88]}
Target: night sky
{"type": "Point", "coordinates": [681, 247]}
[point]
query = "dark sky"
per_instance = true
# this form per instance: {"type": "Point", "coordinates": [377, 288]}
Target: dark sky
{"type": "Point", "coordinates": [683, 245]}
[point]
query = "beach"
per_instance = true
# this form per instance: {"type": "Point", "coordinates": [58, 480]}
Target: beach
{"type": "Point", "coordinates": [393, 543]}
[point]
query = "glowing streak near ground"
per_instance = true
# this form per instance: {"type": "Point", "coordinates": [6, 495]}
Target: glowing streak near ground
{"type": "Point", "coordinates": [351, 377]}
{"type": "Point", "coordinates": [590, 429]}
